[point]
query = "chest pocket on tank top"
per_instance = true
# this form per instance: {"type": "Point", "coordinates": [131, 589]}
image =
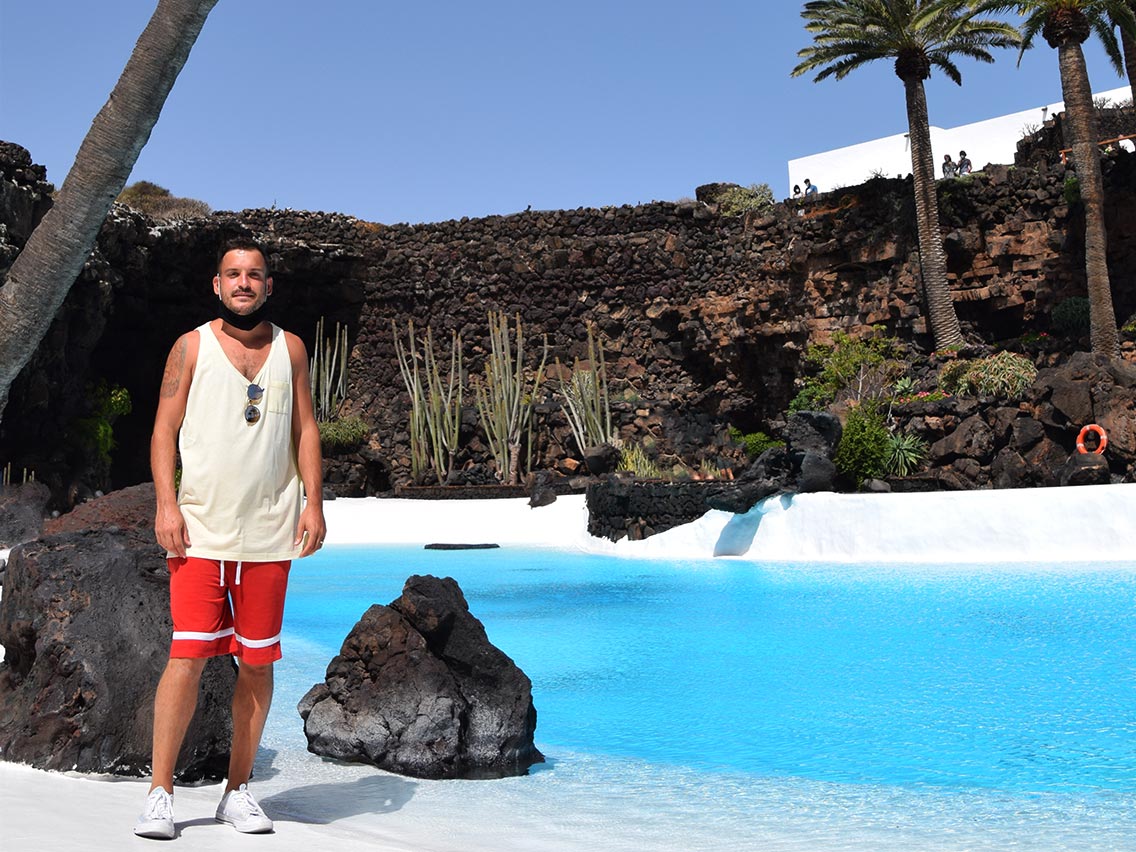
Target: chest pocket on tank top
{"type": "Point", "coordinates": [279, 395]}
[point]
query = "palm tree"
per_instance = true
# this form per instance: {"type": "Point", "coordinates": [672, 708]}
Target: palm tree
{"type": "Point", "coordinates": [916, 34]}
{"type": "Point", "coordinates": [39, 280]}
{"type": "Point", "coordinates": [1128, 42]}
{"type": "Point", "coordinates": [1065, 25]}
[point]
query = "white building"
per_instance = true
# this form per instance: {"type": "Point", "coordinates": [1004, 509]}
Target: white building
{"type": "Point", "coordinates": [992, 141]}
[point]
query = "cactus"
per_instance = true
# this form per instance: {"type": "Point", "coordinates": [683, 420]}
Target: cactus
{"type": "Point", "coordinates": [506, 397]}
{"type": "Point", "coordinates": [6, 481]}
{"type": "Point", "coordinates": [586, 403]}
{"type": "Point", "coordinates": [328, 373]}
{"type": "Point", "coordinates": [435, 407]}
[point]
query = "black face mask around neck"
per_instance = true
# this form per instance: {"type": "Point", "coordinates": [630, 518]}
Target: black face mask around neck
{"type": "Point", "coordinates": [244, 322]}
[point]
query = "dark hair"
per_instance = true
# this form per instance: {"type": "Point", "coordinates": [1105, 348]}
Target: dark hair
{"type": "Point", "coordinates": [962, 153]}
{"type": "Point", "coordinates": [241, 244]}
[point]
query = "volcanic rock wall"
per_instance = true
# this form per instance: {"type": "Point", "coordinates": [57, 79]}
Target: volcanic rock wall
{"type": "Point", "coordinates": [705, 317]}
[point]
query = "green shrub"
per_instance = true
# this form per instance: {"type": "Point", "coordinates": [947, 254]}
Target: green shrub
{"type": "Point", "coordinates": [811, 397]}
{"type": "Point", "coordinates": [1072, 190]}
{"type": "Point", "coordinates": [921, 396]}
{"type": "Point", "coordinates": [94, 434]}
{"type": "Point", "coordinates": [864, 445]}
{"type": "Point", "coordinates": [1070, 317]}
{"type": "Point", "coordinates": [738, 200]}
{"type": "Point", "coordinates": [849, 368]}
{"type": "Point", "coordinates": [906, 452]}
{"type": "Point", "coordinates": [1033, 338]}
{"type": "Point", "coordinates": [344, 435]}
{"type": "Point", "coordinates": [952, 374]}
{"type": "Point", "coordinates": [755, 443]}
{"type": "Point", "coordinates": [157, 202]}
{"type": "Point", "coordinates": [1004, 376]}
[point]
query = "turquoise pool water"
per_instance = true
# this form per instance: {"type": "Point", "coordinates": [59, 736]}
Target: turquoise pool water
{"type": "Point", "coordinates": [1010, 680]}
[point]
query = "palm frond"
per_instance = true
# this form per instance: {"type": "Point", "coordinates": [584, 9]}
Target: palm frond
{"type": "Point", "coordinates": [1103, 26]}
{"type": "Point", "coordinates": [847, 34]}
{"type": "Point", "coordinates": [947, 67]}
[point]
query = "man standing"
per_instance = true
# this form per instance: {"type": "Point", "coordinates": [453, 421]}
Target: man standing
{"type": "Point", "coordinates": [235, 401]}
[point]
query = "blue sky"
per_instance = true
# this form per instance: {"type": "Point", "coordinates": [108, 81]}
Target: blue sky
{"type": "Point", "coordinates": [438, 109]}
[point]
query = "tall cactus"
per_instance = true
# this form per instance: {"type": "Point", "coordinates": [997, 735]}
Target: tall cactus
{"type": "Point", "coordinates": [435, 405]}
{"type": "Point", "coordinates": [585, 399]}
{"type": "Point", "coordinates": [506, 397]}
{"type": "Point", "coordinates": [328, 372]}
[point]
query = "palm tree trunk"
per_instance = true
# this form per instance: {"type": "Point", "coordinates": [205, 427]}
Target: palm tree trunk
{"type": "Point", "coordinates": [932, 260]}
{"type": "Point", "coordinates": [1081, 121]}
{"type": "Point", "coordinates": [39, 280]}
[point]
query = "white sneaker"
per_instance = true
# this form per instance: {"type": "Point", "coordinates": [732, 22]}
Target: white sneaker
{"type": "Point", "coordinates": [157, 820]}
{"type": "Point", "coordinates": [239, 809]}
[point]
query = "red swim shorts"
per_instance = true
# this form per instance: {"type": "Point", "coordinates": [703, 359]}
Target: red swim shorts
{"type": "Point", "coordinates": [222, 607]}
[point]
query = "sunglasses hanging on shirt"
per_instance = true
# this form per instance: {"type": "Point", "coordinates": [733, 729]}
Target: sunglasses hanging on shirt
{"type": "Point", "coordinates": [252, 409]}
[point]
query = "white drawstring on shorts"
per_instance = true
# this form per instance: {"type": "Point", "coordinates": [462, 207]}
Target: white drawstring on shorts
{"type": "Point", "coordinates": [237, 580]}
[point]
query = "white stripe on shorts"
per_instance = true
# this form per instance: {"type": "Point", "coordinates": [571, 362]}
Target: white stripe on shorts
{"type": "Point", "coordinates": [202, 637]}
{"type": "Point", "coordinates": [258, 643]}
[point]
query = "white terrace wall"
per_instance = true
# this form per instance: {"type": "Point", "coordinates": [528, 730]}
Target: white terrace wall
{"type": "Point", "coordinates": [991, 141]}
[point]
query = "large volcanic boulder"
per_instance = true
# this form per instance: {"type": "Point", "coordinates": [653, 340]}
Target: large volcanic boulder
{"type": "Point", "coordinates": [418, 689]}
{"type": "Point", "coordinates": [21, 512]}
{"type": "Point", "coordinates": [85, 625]}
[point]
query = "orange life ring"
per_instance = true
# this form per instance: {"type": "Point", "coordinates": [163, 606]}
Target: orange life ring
{"type": "Point", "coordinates": [1103, 442]}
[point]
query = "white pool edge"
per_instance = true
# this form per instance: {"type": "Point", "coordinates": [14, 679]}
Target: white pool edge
{"type": "Point", "coordinates": [1073, 524]}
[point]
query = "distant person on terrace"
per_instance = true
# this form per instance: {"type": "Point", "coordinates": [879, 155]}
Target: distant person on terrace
{"type": "Point", "coordinates": [964, 164]}
{"type": "Point", "coordinates": [949, 167]}
{"type": "Point", "coordinates": [810, 190]}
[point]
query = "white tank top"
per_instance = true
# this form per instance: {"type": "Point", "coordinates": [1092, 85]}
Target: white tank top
{"type": "Point", "coordinates": [240, 490]}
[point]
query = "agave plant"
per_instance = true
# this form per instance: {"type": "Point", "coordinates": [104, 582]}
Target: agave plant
{"type": "Point", "coordinates": [905, 453]}
{"type": "Point", "coordinates": [1006, 375]}
{"type": "Point", "coordinates": [903, 386]}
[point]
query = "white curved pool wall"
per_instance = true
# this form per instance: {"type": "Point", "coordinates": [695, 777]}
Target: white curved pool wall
{"type": "Point", "coordinates": [1081, 524]}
